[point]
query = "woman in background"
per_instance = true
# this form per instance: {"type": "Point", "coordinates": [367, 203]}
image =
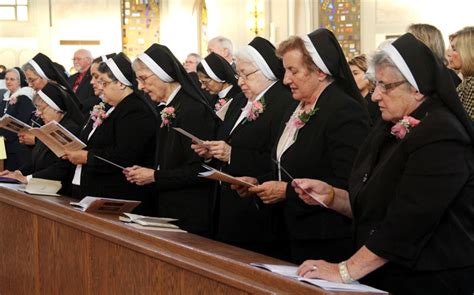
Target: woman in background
{"type": "Point", "coordinates": [461, 56]}
{"type": "Point", "coordinates": [358, 66]}
{"type": "Point", "coordinates": [17, 103]}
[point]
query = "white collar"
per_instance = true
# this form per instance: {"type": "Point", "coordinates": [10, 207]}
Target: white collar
{"type": "Point", "coordinates": [172, 95]}
{"type": "Point", "coordinates": [224, 91]}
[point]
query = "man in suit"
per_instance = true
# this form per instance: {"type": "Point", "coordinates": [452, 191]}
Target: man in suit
{"type": "Point", "coordinates": [80, 82]}
{"type": "Point", "coordinates": [222, 46]}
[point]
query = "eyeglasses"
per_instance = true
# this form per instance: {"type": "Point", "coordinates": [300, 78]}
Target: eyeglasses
{"type": "Point", "coordinates": [206, 81]}
{"type": "Point", "coordinates": [40, 108]}
{"type": "Point", "coordinates": [31, 81]}
{"type": "Point", "coordinates": [385, 87]}
{"type": "Point", "coordinates": [246, 76]}
{"type": "Point", "coordinates": [104, 84]}
{"type": "Point", "coordinates": [143, 79]}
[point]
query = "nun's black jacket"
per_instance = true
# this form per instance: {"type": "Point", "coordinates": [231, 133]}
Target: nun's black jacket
{"type": "Point", "coordinates": [413, 200]}
{"type": "Point", "coordinates": [18, 154]}
{"type": "Point", "coordinates": [240, 221]}
{"type": "Point", "coordinates": [84, 92]}
{"type": "Point", "coordinates": [181, 193]}
{"type": "Point", "coordinates": [45, 164]}
{"type": "Point", "coordinates": [325, 149]}
{"type": "Point", "coordinates": [126, 137]}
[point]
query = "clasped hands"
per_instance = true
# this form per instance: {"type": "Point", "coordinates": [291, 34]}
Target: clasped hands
{"type": "Point", "coordinates": [218, 149]}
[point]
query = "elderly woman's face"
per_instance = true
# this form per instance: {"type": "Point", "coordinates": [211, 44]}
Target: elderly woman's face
{"type": "Point", "coordinates": [211, 86]}
{"type": "Point", "coordinates": [112, 90]}
{"type": "Point", "coordinates": [12, 82]}
{"type": "Point", "coordinates": [251, 79]}
{"type": "Point", "coordinates": [302, 82]}
{"type": "Point", "coordinates": [393, 94]}
{"type": "Point", "coordinates": [454, 59]}
{"type": "Point", "coordinates": [151, 84]}
{"type": "Point", "coordinates": [94, 81]}
{"type": "Point", "coordinates": [45, 112]}
{"type": "Point", "coordinates": [35, 81]}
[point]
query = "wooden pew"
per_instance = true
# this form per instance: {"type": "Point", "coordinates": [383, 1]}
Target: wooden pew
{"type": "Point", "coordinates": [48, 247]}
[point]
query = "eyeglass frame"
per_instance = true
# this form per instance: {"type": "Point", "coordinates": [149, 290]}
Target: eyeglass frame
{"type": "Point", "coordinates": [245, 77]}
{"type": "Point", "coordinates": [386, 87]}
{"type": "Point", "coordinates": [104, 84]}
{"type": "Point", "coordinates": [143, 80]}
{"type": "Point", "coordinates": [31, 81]}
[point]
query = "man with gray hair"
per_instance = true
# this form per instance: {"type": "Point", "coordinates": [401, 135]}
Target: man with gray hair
{"type": "Point", "coordinates": [80, 82]}
{"type": "Point", "coordinates": [222, 46]}
{"type": "Point", "coordinates": [191, 62]}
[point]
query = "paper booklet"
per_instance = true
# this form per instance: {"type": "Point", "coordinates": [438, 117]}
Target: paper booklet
{"type": "Point", "coordinates": [43, 187]}
{"type": "Point", "coordinates": [13, 124]}
{"type": "Point", "coordinates": [290, 271]}
{"type": "Point", "coordinates": [57, 138]}
{"type": "Point", "coordinates": [189, 135]}
{"type": "Point", "coordinates": [221, 176]}
{"type": "Point", "coordinates": [148, 221]}
{"type": "Point", "coordinates": [105, 205]}
{"type": "Point", "coordinates": [223, 110]}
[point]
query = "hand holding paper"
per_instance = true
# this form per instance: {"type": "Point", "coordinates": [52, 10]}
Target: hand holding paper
{"type": "Point", "coordinates": [312, 191]}
{"type": "Point", "coordinates": [221, 176]}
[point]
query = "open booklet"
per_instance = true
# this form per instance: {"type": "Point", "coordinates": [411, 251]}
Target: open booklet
{"type": "Point", "coordinates": [221, 176]}
{"type": "Point", "coordinates": [42, 187]}
{"type": "Point", "coordinates": [291, 272]}
{"type": "Point", "coordinates": [149, 221]}
{"type": "Point", "coordinates": [13, 124]}
{"type": "Point", "coordinates": [57, 138]}
{"type": "Point", "coordinates": [105, 205]}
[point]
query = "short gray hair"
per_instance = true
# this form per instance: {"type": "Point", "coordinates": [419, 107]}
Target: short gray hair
{"type": "Point", "coordinates": [196, 56]}
{"type": "Point", "coordinates": [223, 43]}
{"type": "Point", "coordinates": [244, 55]}
{"type": "Point", "coordinates": [382, 59]}
{"type": "Point", "coordinates": [29, 67]}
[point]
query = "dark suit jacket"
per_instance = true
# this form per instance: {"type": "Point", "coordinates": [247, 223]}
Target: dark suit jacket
{"type": "Point", "coordinates": [412, 199]}
{"type": "Point", "coordinates": [17, 154]}
{"type": "Point", "coordinates": [85, 92]}
{"type": "Point", "coordinates": [325, 149]}
{"type": "Point", "coordinates": [126, 137]}
{"type": "Point", "coordinates": [239, 218]}
{"type": "Point", "coordinates": [181, 194]}
{"type": "Point", "coordinates": [45, 164]}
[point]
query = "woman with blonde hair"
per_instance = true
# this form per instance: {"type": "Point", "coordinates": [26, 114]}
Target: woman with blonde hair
{"type": "Point", "coordinates": [432, 37]}
{"type": "Point", "coordinates": [461, 56]}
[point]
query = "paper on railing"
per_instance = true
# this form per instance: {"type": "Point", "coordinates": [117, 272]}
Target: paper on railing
{"type": "Point", "coordinates": [44, 187]}
{"type": "Point", "coordinates": [189, 135]}
{"type": "Point", "coordinates": [106, 205]}
{"type": "Point", "coordinates": [13, 124]}
{"type": "Point", "coordinates": [221, 176]}
{"type": "Point", "coordinates": [57, 138]}
{"type": "Point", "coordinates": [150, 221]}
{"type": "Point", "coordinates": [290, 271]}
{"type": "Point", "coordinates": [285, 270]}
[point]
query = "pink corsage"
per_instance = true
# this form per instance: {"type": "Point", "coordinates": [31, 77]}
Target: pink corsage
{"type": "Point", "coordinates": [404, 126]}
{"type": "Point", "coordinates": [220, 103]}
{"type": "Point", "coordinates": [167, 114]}
{"type": "Point", "coordinates": [254, 110]}
{"type": "Point", "coordinates": [298, 120]}
{"type": "Point", "coordinates": [98, 114]}
{"type": "Point", "coordinates": [13, 100]}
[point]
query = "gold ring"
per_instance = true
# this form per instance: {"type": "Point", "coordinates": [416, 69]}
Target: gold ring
{"type": "Point", "coordinates": [314, 268]}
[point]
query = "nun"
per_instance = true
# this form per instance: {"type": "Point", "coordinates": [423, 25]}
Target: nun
{"type": "Point", "coordinates": [411, 189]}
{"type": "Point", "coordinates": [52, 104]}
{"type": "Point", "coordinates": [179, 192]}
{"type": "Point", "coordinates": [218, 78]}
{"type": "Point", "coordinates": [243, 147]}
{"type": "Point", "coordinates": [319, 138]}
{"type": "Point", "coordinates": [17, 103]}
{"type": "Point", "coordinates": [124, 134]}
